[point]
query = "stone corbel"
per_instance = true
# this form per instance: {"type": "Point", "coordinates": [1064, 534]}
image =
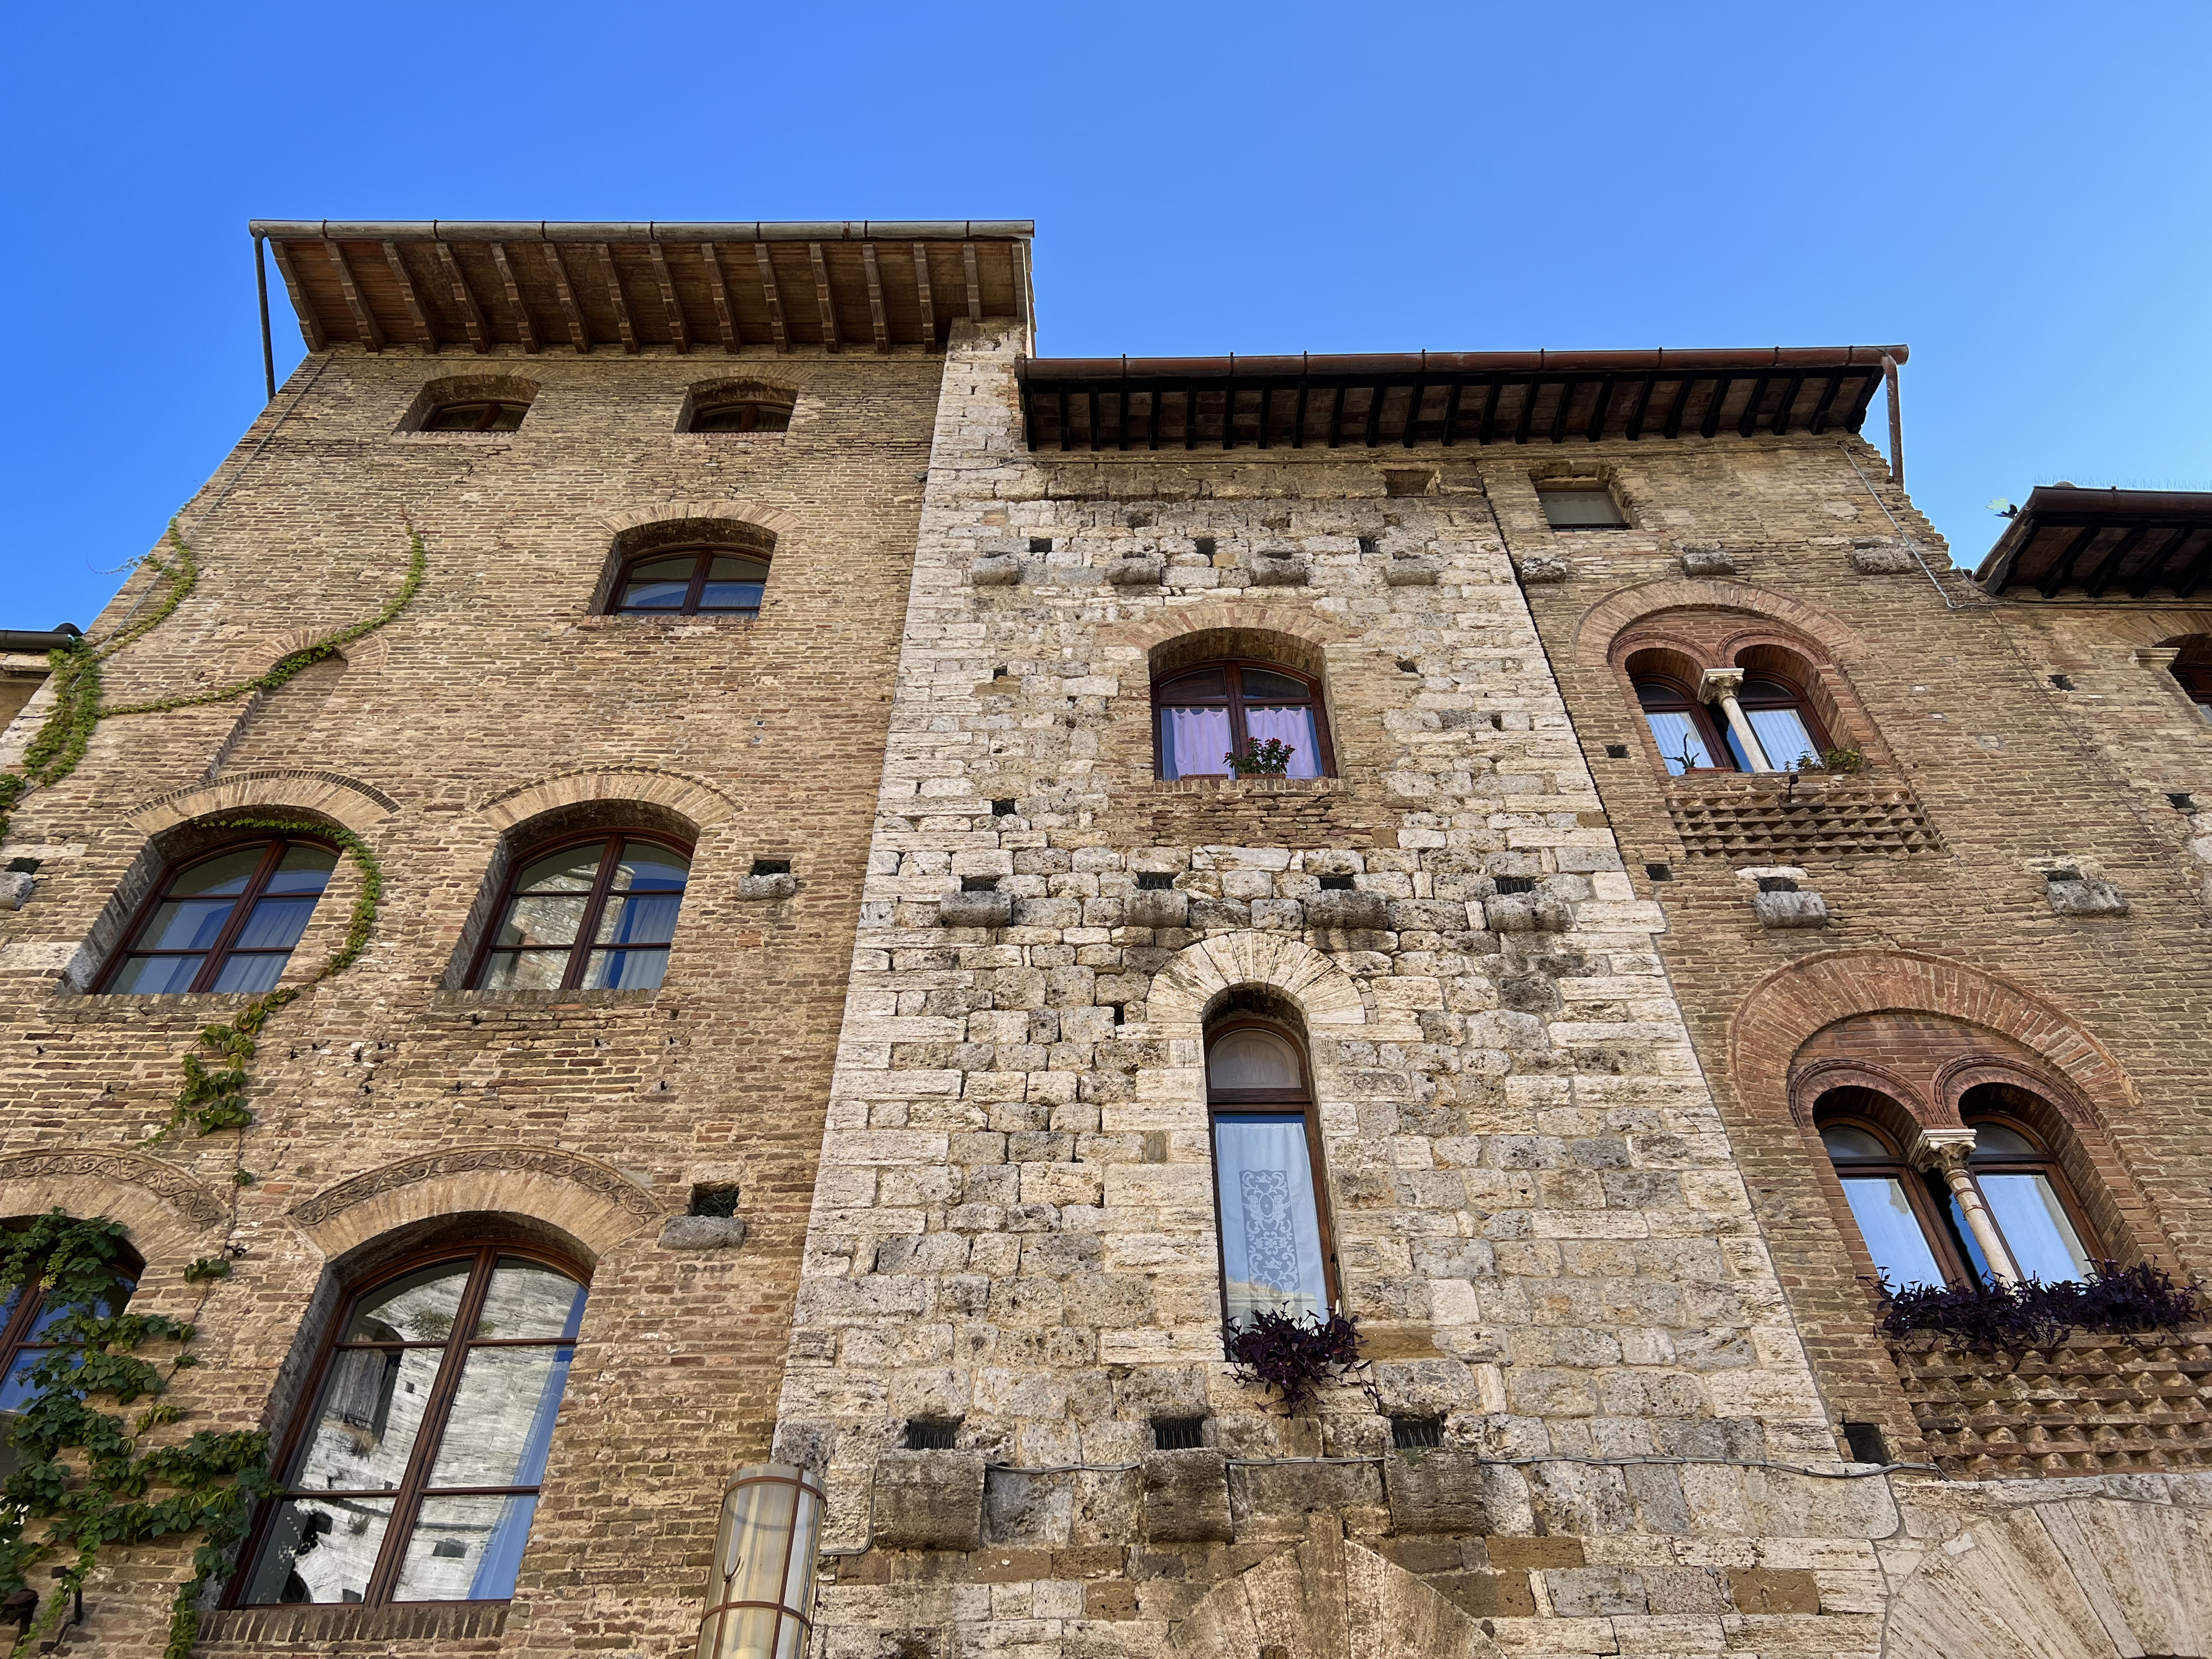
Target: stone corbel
{"type": "Point", "coordinates": [1945, 1150]}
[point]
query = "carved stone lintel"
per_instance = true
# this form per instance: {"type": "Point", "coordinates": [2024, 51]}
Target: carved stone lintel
{"type": "Point", "coordinates": [597, 1178]}
{"type": "Point", "coordinates": [171, 1185]}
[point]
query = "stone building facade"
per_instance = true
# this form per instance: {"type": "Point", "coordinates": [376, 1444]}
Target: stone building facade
{"type": "Point", "coordinates": [940, 1090]}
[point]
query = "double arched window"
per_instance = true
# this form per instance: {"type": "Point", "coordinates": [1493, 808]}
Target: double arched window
{"type": "Point", "coordinates": [1912, 1222]}
{"type": "Point", "coordinates": [415, 1475]}
{"type": "Point", "coordinates": [1205, 714]}
{"type": "Point", "coordinates": [595, 912]}
{"type": "Point", "coordinates": [226, 920]}
{"type": "Point", "coordinates": [1276, 1253]}
{"type": "Point", "coordinates": [29, 1313]}
{"type": "Point", "coordinates": [1698, 731]}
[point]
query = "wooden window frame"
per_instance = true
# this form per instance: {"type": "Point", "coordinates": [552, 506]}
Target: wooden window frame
{"type": "Point", "coordinates": [491, 408]}
{"type": "Point", "coordinates": [274, 848]}
{"type": "Point", "coordinates": [752, 427]}
{"type": "Point", "coordinates": [1701, 717]}
{"type": "Point", "coordinates": [15, 1333]}
{"type": "Point", "coordinates": [2043, 1162]}
{"type": "Point", "coordinates": [1234, 700]}
{"type": "Point", "coordinates": [406, 1499]}
{"type": "Point", "coordinates": [703, 556]}
{"type": "Point", "coordinates": [1796, 698]}
{"type": "Point", "coordinates": [595, 903]}
{"type": "Point", "coordinates": [1233, 1102]}
{"type": "Point", "coordinates": [1934, 1218]}
{"type": "Point", "coordinates": [1544, 488]}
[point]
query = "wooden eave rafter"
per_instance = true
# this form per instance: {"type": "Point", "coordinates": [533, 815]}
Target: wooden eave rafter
{"type": "Point", "coordinates": [2077, 545]}
{"type": "Point", "coordinates": [1451, 398]}
{"type": "Point", "coordinates": [648, 288]}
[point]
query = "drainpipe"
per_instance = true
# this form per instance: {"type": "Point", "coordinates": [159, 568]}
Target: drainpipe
{"type": "Point", "coordinates": [261, 281]}
{"type": "Point", "coordinates": [59, 639]}
{"type": "Point", "coordinates": [1948, 1151]}
{"type": "Point", "coordinates": [1896, 422]}
{"type": "Point", "coordinates": [1720, 685]}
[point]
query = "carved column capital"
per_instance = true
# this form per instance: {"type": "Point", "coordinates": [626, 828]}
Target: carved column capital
{"type": "Point", "coordinates": [1719, 682]}
{"type": "Point", "coordinates": [1942, 1150]}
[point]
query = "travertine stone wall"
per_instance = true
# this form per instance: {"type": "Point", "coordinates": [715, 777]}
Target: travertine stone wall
{"type": "Point", "coordinates": [1538, 1216]}
{"type": "Point", "coordinates": [390, 1097]}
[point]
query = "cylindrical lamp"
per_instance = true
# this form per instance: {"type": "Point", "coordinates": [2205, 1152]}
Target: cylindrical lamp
{"type": "Point", "coordinates": [760, 1593]}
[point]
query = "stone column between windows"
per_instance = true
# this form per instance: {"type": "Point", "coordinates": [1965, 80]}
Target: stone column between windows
{"type": "Point", "coordinates": [1720, 685]}
{"type": "Point", "coordinates": [1948, 1151]}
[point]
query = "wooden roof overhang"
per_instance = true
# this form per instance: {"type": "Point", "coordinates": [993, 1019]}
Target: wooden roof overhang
{"type": "Point", "coordinates": [440, 284]}
{"type": "Point", "coordinates": [2116, 543]}
{"type": "Point", "coordinates": [1446, 397]}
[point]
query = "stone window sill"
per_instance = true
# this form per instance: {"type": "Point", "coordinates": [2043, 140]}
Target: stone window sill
{"type": "Point", "coordinates": [453, 999]}
{"type": "Point", "coordinates": [670, 624]}
{"type": "Point", "coordinates": [296, 1626]}
{"type": "Point", "coordinates": [1212, 785]}
{"type": "Point", "coordinates": [485, 440]}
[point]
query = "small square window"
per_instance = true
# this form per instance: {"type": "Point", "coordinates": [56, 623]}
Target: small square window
{"type": "Point", "coordinates": [1421, 482]}
{"type": "Point", "coordinates": [1616, 751]}
{"type": "Point", "coordinates": [1414, 1433]}
{"type": "Point", "coordinates": [1516, 883]}
{"type": "Point", "coordinates": [1337, 883]}
{"type": "Point", "coordinates": [1203, 546]}
{"type": "Point", "coordinates": [1777, 884]}
{"type": "Point", "coordinates": [771, 867]}
{"type": "Point", "coordinates": [1039, 543]}
{"type": "Point", "coordinates": [1178, 1433]}
{"type": "Point", "coordinates": [978, 884]}
{"type": "Point", "coordinates": [1003, 807]}
{"type": "Point", "coordinates": [1659, 872]}
{"type": "Point", "coordinates": [1153, 881]}
{"type": "Point", "coordinates": [932, 1434]}
{"type": "Point", "coordinates": [1867, 1443]}
{"type": "Point", "coordinates": [717, 1198]}
{"type": "Point", "coordinates": [1592, 508]}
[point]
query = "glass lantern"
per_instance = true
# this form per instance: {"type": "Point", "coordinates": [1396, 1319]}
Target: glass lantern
{"type": "Point", "coordinates": [760, 1593]}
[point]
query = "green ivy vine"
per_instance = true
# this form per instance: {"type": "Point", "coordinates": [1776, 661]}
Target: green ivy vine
{"type": "Point", "coordinates": [94, 1480]}
{"type": "Point", "coordinates": [91, 1479]}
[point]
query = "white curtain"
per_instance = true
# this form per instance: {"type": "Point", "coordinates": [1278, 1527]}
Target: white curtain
{"type": "Point", "coordinates": [1192, 742]}
{"type": "Point", "coordinates": [1270, 1225]}
{"type": "Point", "coordinates": [1295, 727]}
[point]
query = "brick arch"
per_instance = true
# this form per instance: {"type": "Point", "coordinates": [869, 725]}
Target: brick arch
{"type": "Point", "coordinates": [363, 655]}
{"type": "Point", "coordinates": [1611, 617]}
{"type": "Point", "coordinates": [1160, 624]}
{"type": "Point", "coordinates": [1791, 1004]}
{"type": "Point", "coordinates": [691, 798]}
{"type": "Point", "coordinates": [333, 795]}
{"type": "Point", "coordinates": [743, 510]}
{"type": "Point", "coordinates": [593, 1202]}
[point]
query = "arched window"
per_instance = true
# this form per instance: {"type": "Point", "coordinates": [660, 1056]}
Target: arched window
{"type": "Point", "coordinates": [1203, 714]}
{"type": "Point", "coordinates": [1273, 1215]}
{"type": "Point", "coordinates": [1891, 1201]}
{"type": "Point", "coordinates": [226, 920]}
{"type": "Point", "coordinates": [2030, 1201]}
{"type": "Point", "coordinates": [688, 581]}
{"type": "Point", "coordinates": [2192, 666]}
{"type": "Point", "coordinates": [414, 1477]}
{"type": "Point", "coordinates": [493, 415]}
{"type": "Point", "coordinates": [593, 914]}
{"type": "Point", "coordinates": [746, 412]}
{"type": "Point", "coordinates": [1682, 727]}
{"type": "Point", "coordinates": [29, 1312]}
{"type": "Point", "coordinates": [1782, 718]}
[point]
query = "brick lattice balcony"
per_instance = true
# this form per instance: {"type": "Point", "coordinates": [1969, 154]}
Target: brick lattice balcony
{"type": "Point", "coordinates": [1788, 817]}
{"type": "Point", "coordinates": [2091, 1402]}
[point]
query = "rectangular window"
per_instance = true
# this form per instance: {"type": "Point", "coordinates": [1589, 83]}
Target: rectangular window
{"type": "Point", "coordinates": [1680, 743]}
{"type": "Point", "coordinates": [1782, 734]}
{"type": "Point", "coordinates": [1892, 1232]}
{"type": "Point", "coordinates": [1194, 742]}
{"type": "Point", "coordinates": [2026, 1210]}
{"type": "Point", "coordinates": [1271, 1236]}
{"type": "Point", "coordinates": [1581, 509]}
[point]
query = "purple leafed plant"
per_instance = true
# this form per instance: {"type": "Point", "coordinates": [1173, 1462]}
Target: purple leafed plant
{"type": "Point", "coordinates": [1296, 1354]}
{"type": "Point", "coordinates": [2034, 1315]}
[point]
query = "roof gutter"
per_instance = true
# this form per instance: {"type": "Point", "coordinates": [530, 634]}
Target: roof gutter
{"type": "Point", "coordinates": [1662, 361]}
{"type": "Point", "coordinates": [13, 639]}
{"type": "Point", "coordinates": [544, 230]}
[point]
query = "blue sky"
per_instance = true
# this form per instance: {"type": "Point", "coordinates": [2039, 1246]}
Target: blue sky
{"type": "Point", "coordinates": [2019, 192]}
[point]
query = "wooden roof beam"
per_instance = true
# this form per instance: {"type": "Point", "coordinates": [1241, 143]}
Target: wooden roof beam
{"type": "Point", "coordinates": [1451, 410]}
{"type": "Point", "coordinates": [372, 337]}
{"type": "Point", "coordinates": [1090, 414]}
{"type": "Point", "coordinates": [1122, 435]}
{"type": "Point", "coordinates": [416, 311]}
{"type": "Point", "coordinates": [580, 333]}
{"type": "Point", "coordinates": [725, 319]}
{"type": "Point", "coordinates": [1411, 435]}
{"type": "Point", "coordinates": [974, 282]}
{"type": "Point", "coordinates": [1781, 427]}
{"type": "Point", "coordinates": [613, 280]}
{"type": "Point", "coordinates": [1336, 416]}
{"type": "Point", "coordinates": [1298, 421]}
{"type": "Point", "coordinates": [669, 303]}
{"type": "Point", "coordinates": [1711, 423]}
{"type": "Point", "coordinates": [876, 297]}
{"type": "Point", "coordinates": [472, 314]}
{"type": "Point", "coordinates": [823, 298]}
{"type": "Point", "coordinates": [1483, 433]}
{"type": "Point", "coordinates": [2062, 571]}
{"type": "Point", "coordinates": [2185, 586]}
{"type": "Point", "coordinates": [310, 326]}
{"type": "Point", "coordinates": [773, 291]}
{"type": "Point", "coordinates": [1675, 409]}
{"type": "Point", "coordinates": [1522, 428]}
{"type": "Point", "coordinates": [1635, 427]}
{"type": "Point", "coordinates": [1266, 412]}
{"type": "Point", "coordinates": [1596, 429]}
{"type": "Point", "coordinates": [1819, 424]}
{"type": "Point", "coordinates": [1747, 422]}
{"type": "Point", "coordinates": [1065, 432]}
{"type": "Point", "coordinates": [2109, 567]}
{"type": "Point", "coordinates": [2160, 563]}
{"type": "Point", "coordinates": [1152, 422]}
{"type": "Point", "coordinates": [525, 330]}
{"type": "Point", "coordinates": [928, 304]}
